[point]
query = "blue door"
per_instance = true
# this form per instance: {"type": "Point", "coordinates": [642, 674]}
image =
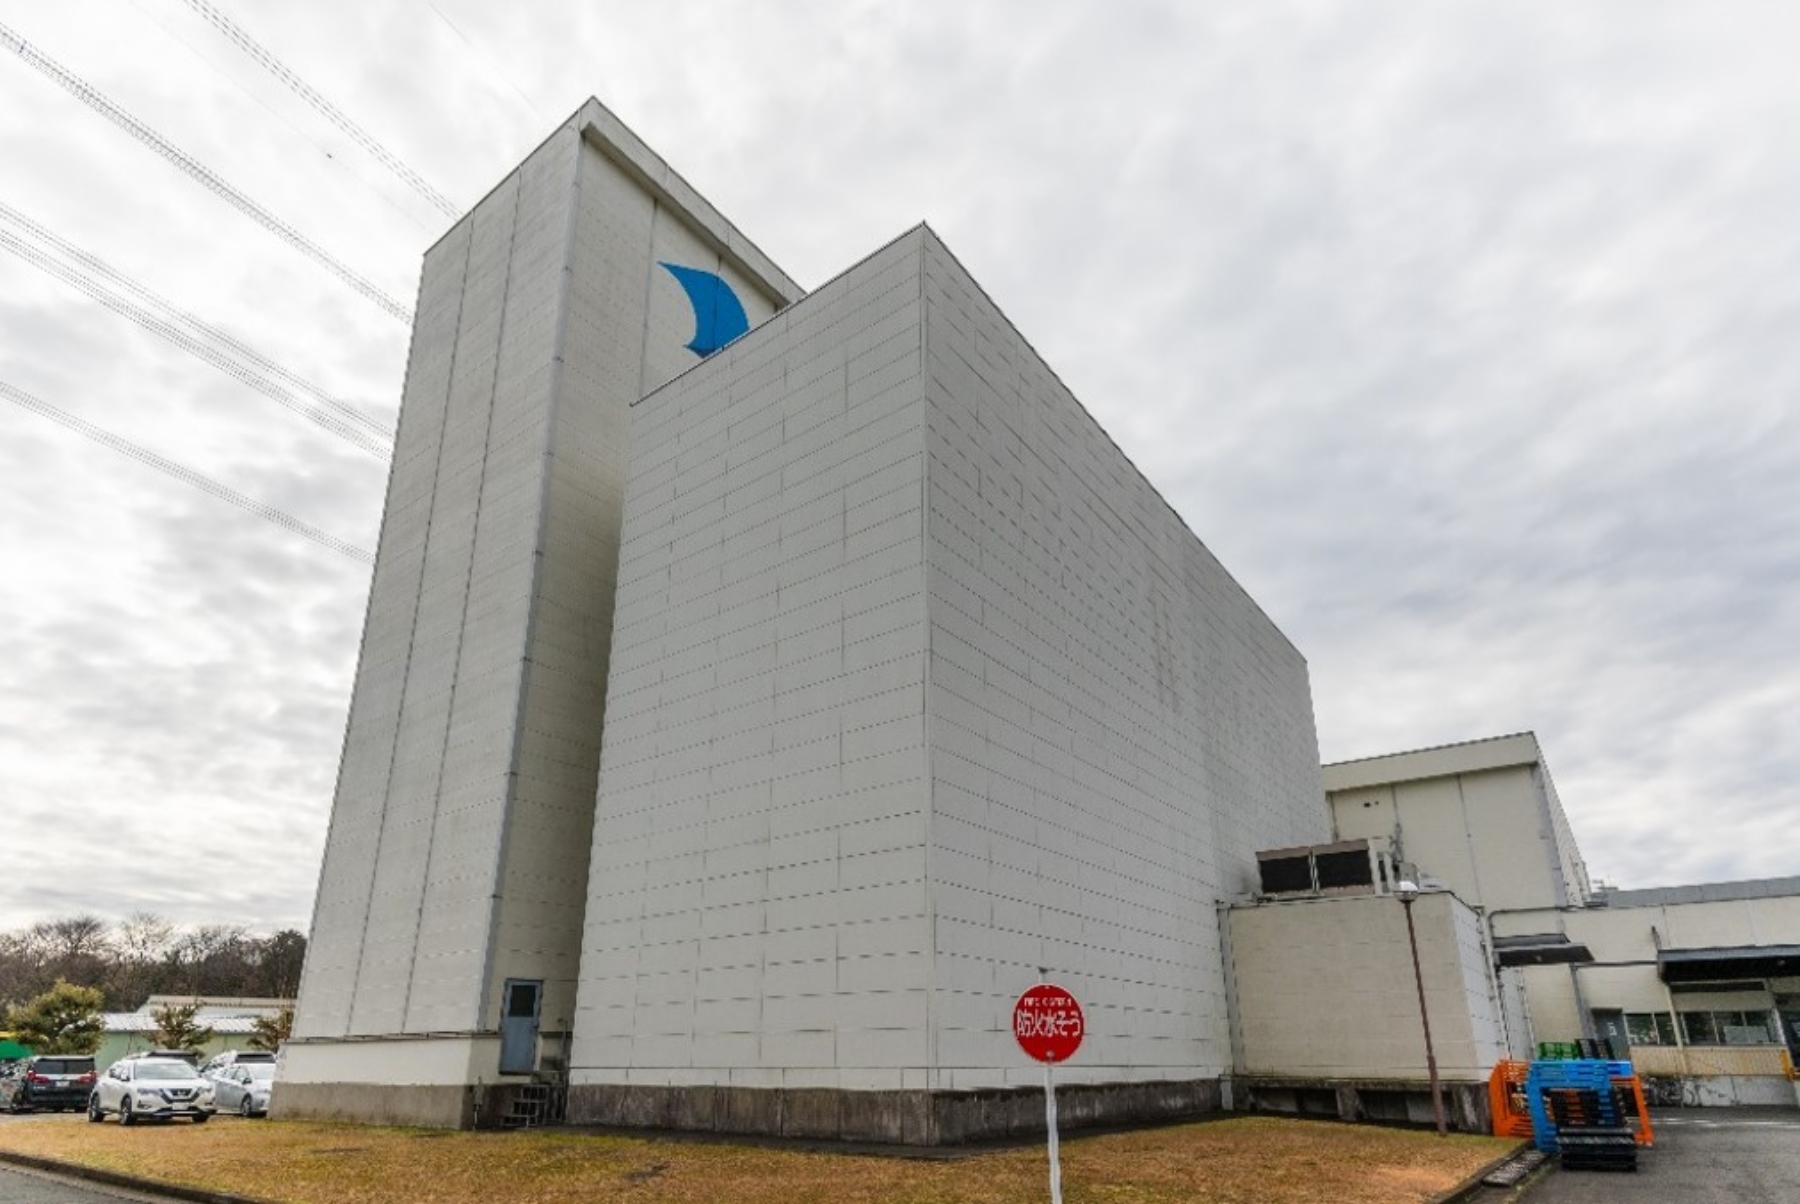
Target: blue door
{"type": "Point", "coordinates": [519, 1004]}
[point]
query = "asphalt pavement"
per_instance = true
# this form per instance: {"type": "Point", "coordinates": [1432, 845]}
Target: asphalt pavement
{"type": "Point", "coordinates": [21, 1186]}
{"type": "Point", "coordinates": [1701, 1156]}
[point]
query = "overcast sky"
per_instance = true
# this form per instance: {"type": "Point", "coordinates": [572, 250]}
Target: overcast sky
{"type": "Point", "coordinates": [1467, 335]}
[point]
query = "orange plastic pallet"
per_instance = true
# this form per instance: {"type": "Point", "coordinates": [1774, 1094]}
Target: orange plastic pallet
{"type": "Point", "coordinates": [1511, 1111]}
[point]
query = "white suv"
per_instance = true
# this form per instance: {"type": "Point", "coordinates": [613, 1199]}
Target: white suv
{"type": "Point", "coordinates": [151, 1089]}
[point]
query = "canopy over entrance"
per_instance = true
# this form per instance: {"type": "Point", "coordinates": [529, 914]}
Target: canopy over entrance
{"type": "Point", "coordinates": [1731, 964]}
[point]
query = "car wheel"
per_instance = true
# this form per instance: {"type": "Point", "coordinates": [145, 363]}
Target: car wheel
{"type": "Point", "coordinates": [125, 1114]}
{"type": "Point", "coordinates": [95, 1115]}
{"type": "Point", "coordinates": [245, 1110]}
{"type": "Point", "coordinates": [201, 1118]}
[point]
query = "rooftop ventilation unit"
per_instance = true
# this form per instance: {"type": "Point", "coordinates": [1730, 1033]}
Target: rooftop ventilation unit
{"type": "Point", "coordinates": [1349, 867]}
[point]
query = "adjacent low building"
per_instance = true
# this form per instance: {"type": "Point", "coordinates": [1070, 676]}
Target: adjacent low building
{"type": "Point", "coordinates": [1699, 986]}
{"type": "Point", "coordinates": [1327, 1006]}
{"type": "Point", "coordinates": [232, 1021]}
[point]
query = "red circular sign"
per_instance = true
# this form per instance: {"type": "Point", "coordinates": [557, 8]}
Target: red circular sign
{"type": "Point", "coordinates": [1048, 1023]}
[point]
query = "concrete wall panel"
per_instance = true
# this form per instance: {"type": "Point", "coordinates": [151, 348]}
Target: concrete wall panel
{"type": "Point", "coordinates": [1354, 952]}
{"type": "Point", "coordinates": [1115, 727]}
{"type": "Point", "coordinates": [458, 850]}
{"type": "Point", "coordinates": [757, 899]}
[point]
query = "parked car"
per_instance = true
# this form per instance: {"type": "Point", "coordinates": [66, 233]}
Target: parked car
{"type": "Point", "coordinates": [52, 1082]}
{"type": "Point", "coordinates": [244, 1088]}
{"type": "Point", "coordinates": [137, 1089]}
{"type": "Point", "coordinates": [235, 1057]}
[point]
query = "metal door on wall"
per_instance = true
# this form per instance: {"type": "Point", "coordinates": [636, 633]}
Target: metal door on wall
{"type": "Point", "coordinates": [520, 1001]}
{"type": "Point", "coordinates": [1609, 1026]}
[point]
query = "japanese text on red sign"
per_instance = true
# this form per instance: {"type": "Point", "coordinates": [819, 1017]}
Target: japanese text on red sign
{"type": "Point", "coordinates": [1046, 1018]}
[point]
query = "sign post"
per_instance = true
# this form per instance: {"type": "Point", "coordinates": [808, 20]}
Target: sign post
{"type": "Point", "coordinates": [1048, 1025]}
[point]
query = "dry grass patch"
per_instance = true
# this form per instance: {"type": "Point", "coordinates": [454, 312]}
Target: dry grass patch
{"type": "Point", "coordinates": [1244, 1160]}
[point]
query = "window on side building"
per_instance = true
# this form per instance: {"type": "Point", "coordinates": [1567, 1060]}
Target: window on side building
{"type": "Point", "coordinates": [1650, 1028]}
{"type": "Point", "coordinates": [1727, 1028]}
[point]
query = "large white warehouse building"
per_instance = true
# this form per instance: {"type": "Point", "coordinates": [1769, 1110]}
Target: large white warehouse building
{"type": "Point", "coordinates": [738, 731]}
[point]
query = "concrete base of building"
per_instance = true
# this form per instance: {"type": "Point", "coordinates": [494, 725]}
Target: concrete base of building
{"type": "Point", "coordinates": [917, 1118]}
{"type": "Point", "coordinates": [1720, 1091]}
{"type": "Point", "coordinates": [1377, 1101]}
{"type": "Point", "coordinates": [421, 1105]}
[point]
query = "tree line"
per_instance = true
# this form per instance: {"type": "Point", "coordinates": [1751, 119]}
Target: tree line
{"type": "Point", "coordinates": [66, 1020]}
{"type": "Point", "coordinates": [128, 961]}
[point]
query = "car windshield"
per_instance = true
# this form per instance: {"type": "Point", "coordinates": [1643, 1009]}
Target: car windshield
{"type": "Point", "coordinates": [65, 1066]}
{"type": "Point", "coordinates": [164, 1070]}
{"type": "Point", "coordinates": [262, 1072]}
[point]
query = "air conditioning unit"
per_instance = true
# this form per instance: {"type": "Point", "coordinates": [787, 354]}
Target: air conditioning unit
{"type": "Point", "coordinates": [1364, 866]}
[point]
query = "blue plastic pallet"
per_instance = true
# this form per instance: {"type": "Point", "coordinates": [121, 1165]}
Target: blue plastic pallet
{"type": "Point", "coordinates": [1578, 1073]}
{"type": "Point", "coordinates": [1583, 1075]}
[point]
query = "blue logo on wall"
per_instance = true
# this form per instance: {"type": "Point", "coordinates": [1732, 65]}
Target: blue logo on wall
{"type": "Point", "coordinates": [718, 314]}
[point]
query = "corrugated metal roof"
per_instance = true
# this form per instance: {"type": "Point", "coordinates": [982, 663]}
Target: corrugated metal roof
{"type": "Point", "coordinates": [1701, 892]}
{"type": "Point", "coordinates": [144, 1022]}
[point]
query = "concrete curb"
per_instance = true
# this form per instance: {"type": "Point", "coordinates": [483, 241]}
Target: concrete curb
{"type": "Point", "coordinates": [91, 1174]}
{"type": "Point", "coordinates": [1525, 1186]}
{"type": "Point", "coordinates": [1472, 1184]}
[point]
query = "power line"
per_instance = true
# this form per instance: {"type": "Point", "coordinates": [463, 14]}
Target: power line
{"type": "Point", "coordinates": [492, 61]}
{"type": "Point", "coordinates": [95, 100]}
{"type": "Point", "coordinates": [340, 164]}
{"type": "Point", "coordinates": [203, 330]}
{"type": "Point", "coordinates": [338, 419]}
{"type": "Point", "coordinates": [280, 70]}
{"type": "Point", "coordinates": [205, 484]}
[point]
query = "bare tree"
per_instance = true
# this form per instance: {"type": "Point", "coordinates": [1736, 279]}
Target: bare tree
{"type": "Point", "coordinates": [76, 937]}
{"type": "Point", "coordinates": [146, 955]}
{"type": "Point", "coordinates": [214, 959]}
{"type": "Point", "coordinates": [143, 938]}
{"type": "Point", "coordinates": [141, 965]}
{"type": "Point", "coordinates": [278, 965]}
{"type": "Point", "coordinates": [19, 970]}
{"type": "Point", "coordinates": [75, 949]}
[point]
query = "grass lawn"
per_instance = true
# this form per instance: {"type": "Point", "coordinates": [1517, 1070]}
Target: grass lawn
{"type": "Point", "coordinates": [1242, 1160]}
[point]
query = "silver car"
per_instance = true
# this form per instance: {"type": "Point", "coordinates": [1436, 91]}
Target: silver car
{"type": "Point", "coordinates": [159, 1089]}
{"type": "Point", "coordinates": [244, 1088]}
{"type": "Point", "coordinates": [231, 1057]}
